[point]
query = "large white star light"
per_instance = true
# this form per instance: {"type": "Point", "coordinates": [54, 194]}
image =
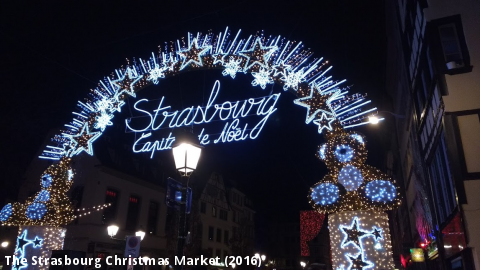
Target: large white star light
{"type": "Point", "coordinates": [83, 141]}
{"type": "Point", "coordinates": [262, 78]}
{"type": "Point", "coordinates": [316, 102]}
{"type": "Point", "coordinates": [324, 122]}
{"type": "Point", "coordinates": [281, 68]}
{"type": "Point", "coordinates": [259, 54]}
{"type": "Point", "coordinates": [193, 55]}
{"type": "Point", "coordinates": [126, 82]}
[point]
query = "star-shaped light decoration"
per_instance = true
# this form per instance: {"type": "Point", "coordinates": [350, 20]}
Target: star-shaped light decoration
{"type": "Point", "coordinates": [117, 103]}
{"type": "Point", "coordinates": [126, 82]}
{"type": "Point", "coordinates": [83, 141]}
{"type": "Point", "coordinates": [262, 78]}
{"type": "Point", "coordinates": [259, 55]}
{"type": "Point", "coordinates": [37, 242]}
{"type": "Point", "coordinates": [281, 69]}
{"type": "Point", "coordinates": [22, 242]}
{"type": "Point", "coordinates": [357, 263]}
{"type": "Point", "coordinates": [193, 55]}
{"type": "Point", "coordinates": [377, 233]}
{"type": "Point", "coordinates": [324, 122]}
{"type": "Point", "coordinates": [156, 73]}
{"type": "Point", "coordinates": [315, 103]}
{"type": "Point", "coordinates": [218, 58]}
{"type": "Point", "coordinates": [352, 234]}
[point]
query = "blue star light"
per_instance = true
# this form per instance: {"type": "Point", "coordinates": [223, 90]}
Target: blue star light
{"type": "Point", "coordinates": [258, 55]}
{"type": "Point", "coordinates": [83, 141]}
{"type": "Point", "coordinates": [193, 55]}
{"type": "Point", "coordinates": [357, 263]}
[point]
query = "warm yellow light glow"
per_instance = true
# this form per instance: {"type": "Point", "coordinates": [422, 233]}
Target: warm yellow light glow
{"type": "Point", "coordinates": [373, 120]}
{"type": "Point", "coordinates": [5, 244]}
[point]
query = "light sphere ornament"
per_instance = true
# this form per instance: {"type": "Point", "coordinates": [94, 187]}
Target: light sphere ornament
{"type": "Point", "coordinates": [350, 177]}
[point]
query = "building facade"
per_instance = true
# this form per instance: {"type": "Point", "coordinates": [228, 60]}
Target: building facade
{"type": "Point", "coordinates": [434, 94]}
{"type": "Point", "coordinates": [136, 193]}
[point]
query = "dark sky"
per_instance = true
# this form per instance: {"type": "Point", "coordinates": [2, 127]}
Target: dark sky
{"type": "Point", "coordinates": [52, 53]}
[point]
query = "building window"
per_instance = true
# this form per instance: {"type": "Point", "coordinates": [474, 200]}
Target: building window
{"type": "Point", "coordinates": [214, 211]}
{"type": "Point", "coordinates": [210, 252]}
{"type": "Point", "coordinates": [453, 48]}
{"type": "Point", "coordinates": [225, 253]}
{"type": "Point", "coordinates": [210, 233]}
{"type": "Point", "coordinates": [203, 207]}
{"type": "Point", "coordinates": [223, 214]}
{"type": "Point", "coordinates": [225, 237]}
{"type": "Point", "coordinates": [218, 253]}
{"type": "Point", "coordinates": [110, 212]}
{"type": "Point", "coordinates": [219, 235]}
{"type": "Point", "coordinates": [234, 216]}
{"type": "Point", "coordinates": [152, 218]}
{"type": "Point", "coordinates": [132, 213]}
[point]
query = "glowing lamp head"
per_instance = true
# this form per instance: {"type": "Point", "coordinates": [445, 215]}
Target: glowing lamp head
{"type": "Point", "coordinates": [140, 233]}
{"type": "Point", "coordinates": [264, 257]}
{"type": "Point", "coordinates": [5, 244]}
{"type": "Point", "coordinates": [186, 157]}
{"type": "Point", "coordinates": [373, 120]}
{"type": "Point", "coordinates": [303, 264]}
{"type": "Point", "coordinates": [112, 230]}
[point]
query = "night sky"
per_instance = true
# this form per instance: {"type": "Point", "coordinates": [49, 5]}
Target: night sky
{"type": "Point", "coordinates": [52, 53]}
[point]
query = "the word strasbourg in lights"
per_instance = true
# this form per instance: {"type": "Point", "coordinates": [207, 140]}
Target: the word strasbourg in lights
{"type": "Point", "coordinates": [231, 112]}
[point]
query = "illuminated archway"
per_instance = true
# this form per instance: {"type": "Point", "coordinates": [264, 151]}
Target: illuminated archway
{"type": "Point", "coordinates": [269, 59]}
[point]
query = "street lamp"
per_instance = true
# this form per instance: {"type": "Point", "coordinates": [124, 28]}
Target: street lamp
{"type": "Point", "coordinates": [186, 156]}
{"type": "Point", "coordinates": [375, 119]}
{"type": "Point", "coordinates": [140, 233]}
{"type": "Point", "coordinates": [303, 264]}
{"type": "Point", "coordinates": [112, 230]}
{"type": "Point", "coordinates": [264, 257]}
{"type": "Point", "coordinates": [5, 244]}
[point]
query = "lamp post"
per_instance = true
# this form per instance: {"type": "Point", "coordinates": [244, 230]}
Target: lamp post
{"type": "Point", "coordinates": [186, 156]}
{"type": "Point", "coordinates": [375, 119]}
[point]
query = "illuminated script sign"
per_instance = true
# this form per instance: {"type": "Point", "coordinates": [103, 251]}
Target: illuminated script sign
{"type": "Point", "coordinates": [231, 112]}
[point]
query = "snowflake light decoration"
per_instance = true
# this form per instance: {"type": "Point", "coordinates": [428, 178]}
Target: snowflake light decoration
{"type": "Point", "coordinates": [103, 120]}
{"type": "Point", "coordinates": [156, 73]}
{"type": "Point", "coordinates": [232, 67]}
{"type": "Point", "coordinates": [292, 79]}
{"type": "Point", "coordinates": [262, 78]}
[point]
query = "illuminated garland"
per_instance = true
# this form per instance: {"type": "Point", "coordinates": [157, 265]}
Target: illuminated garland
{"type": "Point", "coordinates": [268, 59]}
